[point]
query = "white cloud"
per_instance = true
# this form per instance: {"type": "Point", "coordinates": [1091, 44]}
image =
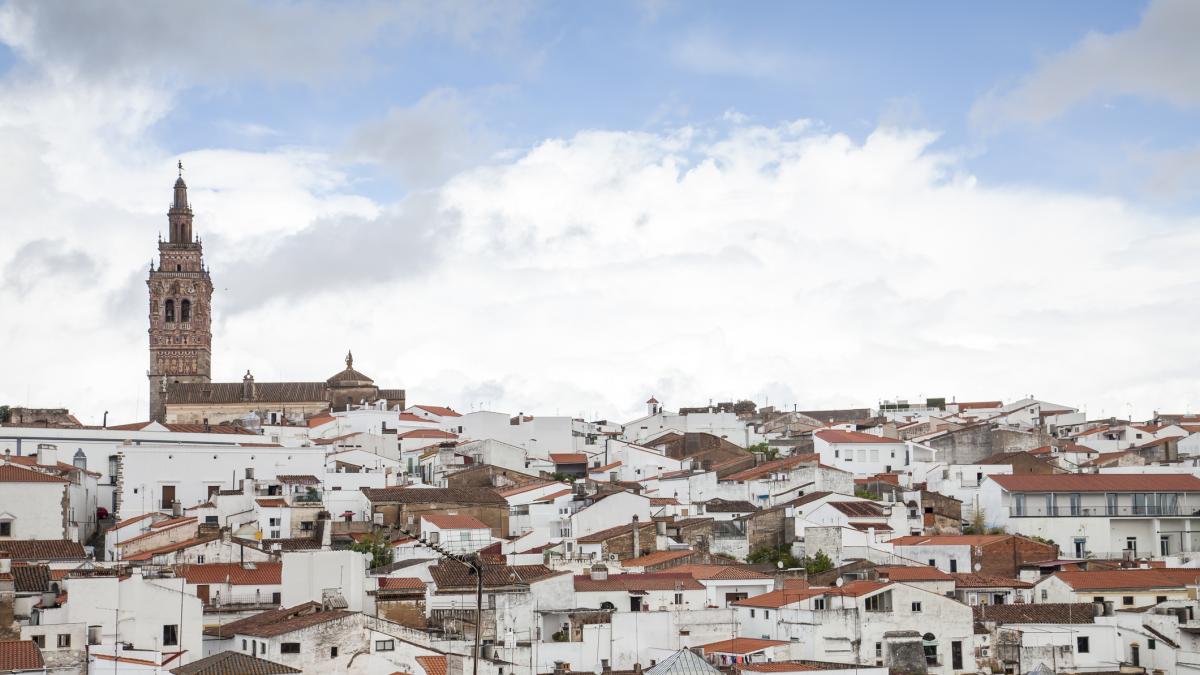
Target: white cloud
{"type": "Point", "coordinates": [1159, 60]}
{"type": "Point", "coordinates": [707, 53]}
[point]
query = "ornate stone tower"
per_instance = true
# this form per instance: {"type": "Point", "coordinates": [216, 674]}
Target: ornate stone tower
{"type": "Point", "coordinates": [180, 307]}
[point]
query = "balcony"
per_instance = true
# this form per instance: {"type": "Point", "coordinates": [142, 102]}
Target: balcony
{"type": "Point", "coordinates": [1103, 511]}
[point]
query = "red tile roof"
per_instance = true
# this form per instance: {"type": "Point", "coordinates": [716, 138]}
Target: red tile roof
{"type": "Point", "coordinates": [16, 655]}
{"type": "Point", "coordinates": [455, 522]}
{"type": "Point", "coordinates": [401, 583]}
{"type": "Point", "coordinates": [1130, 579]}
{"type": "Point", "coordinates": [913, 573]}
{"type": "Point", "coordinates": [136, 519]}
{"type": "Point", "coordinates": [271, 502]}
{"type": "Point", "coordinates": [170, 548]}
{"type": "Point", "coordinates": [839, 436]}
{"type": "Point", "coordinates": [656, 558]}
{"type": "Point", "coordinates": [427, 433]}
{"type": "Point", "coordinates": [664, 501]}
{"type": "Point", "coordinates": [43, 549]}
{"type": "Point", "coordinates": [857, 588]}
{"type": "Point", "coordinates": [1099, 482]}
{"type": "Point", "coordinates": [972, 580]}
{"type": "Point", "coordinates": [279, 621]}
{"type": "Point", "coordinates": [172, 522]}
{"type": "Point", "coordinates": [788, 667]}
{"type": "Point", "coordinates": [949, 539]}
{"type": "Point", "coordinates": [568, 458]}
{"type": "Point", "coordinates": [606, 467]}
{"type": "Point", "coordinates": [10, 473]}
{"type": "Point", "coordinates": [440, 411]}
{"type": "Point", "coordinates": [785, 464]}
{"type": "Point", "coordinates": [740, 646]}
{"type": "Point", "coordinates": [974, 405]}
{"type": "Point", "coordinates": [782, 597]}
{"type": "Point", "coordinates": [248, 574]}
{"type": "Point", "coordinates": [531, 485]}
{"type": "Point", "coordinates": [706, 572]}
{"type": "Point", "coordinates": [433, 665]}
{"type": "Point", "coordinates": [661, 581]}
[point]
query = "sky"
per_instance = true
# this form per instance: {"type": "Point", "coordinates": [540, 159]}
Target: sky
{"type": "Point", "coordinates": [565, 208]}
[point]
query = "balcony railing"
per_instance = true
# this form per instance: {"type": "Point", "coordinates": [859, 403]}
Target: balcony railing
{"type": "Point", "coordinates": [1149, 511]}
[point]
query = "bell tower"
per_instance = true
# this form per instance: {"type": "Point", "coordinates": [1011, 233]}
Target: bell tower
{"type": "Point", "coordinates": [180, 307]}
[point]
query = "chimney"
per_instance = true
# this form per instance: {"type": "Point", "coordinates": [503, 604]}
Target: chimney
{"type": "Point", "coordinates": [660, 528]}
{"type": "Point", "coordinates": [599, 572]}
{"type": "Point", "coordinates": [227, 535]}
{"type": "Point", "coordinates": [637, 668]}
{"type": "Point", "coordinates": [605, 669]}
{"type": "Point", "coordinates": [47, 454]}
{"type": "Point", "coordinates": [637, 537]}
{"type": "Point", "coordinates": [326, 533]}
{"type": "Point", "coordinates": [5, 562]}
{"type": "Point", "coordinates": [176, 509]}
{"type": "Point", "coordinates": [560, 668]}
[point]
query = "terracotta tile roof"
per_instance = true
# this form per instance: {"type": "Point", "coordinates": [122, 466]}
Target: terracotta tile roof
{"type": "Point", "coordinates": [664, 501]}
{"type": "Point", "coordinates": [157, 530]}
{"type": "Point", "coordinates": [412, 495]}
{"type": "Point", "coordinates": [857, 588]}
{"type": "Point", "coordinates": [409, 417]}
{"type": "Point", "coordinates": [17, 655]}
{"type": "Point", "coordinates": [782, 597]}
{"type": "Point", "coordinates": [518, 489]}
{"type": "Point", "coordinates": [10, 473]}
{"type": "Point", "coordinates": [228, 662]}
{"type": "Point", "coordinates": [638, 582]}
{"type": "Point", "coordinates": [31, 460]}
{"type": "Point", "coordinates": [1099, 482]}
{"type": "Point", "coordinates": [553, 495]}
{"type": "Point", "coordinates": [248, 574]}
{"type": "Point", "coordinates": [609, 533]}
{"type": "Point", "coordinates": [1130, 579]}
{"type": "Point", "coordinates": [913, 573]}
{"type": "Point", "coordinates": [858, 509]}
{"type": "Point", "coordinates": [975, 405]}
{"type": "Point", "coordinates": [277, 621]}
{"type": "Point", "coordinates": [188, 428]}
{"type": "Point", "coordinates": [271, 502]}
{"type": "Point", "coordinates": [427, 433]}
{"type": "Point", "coordinates": [949, 539]}
{"type": "Point", "coordinates": [337, 439]}
{"type": "Point", "coordinates": [740, 645]}
{"type": "Point", "coordinates": [788, 667]}
{"type": "Point", "coordinates": [433, 665]}
{"type": "Point", "coordinates": [32, 550]}
{"type": "Point", "coordinates": [449, 575]}
{"type": "Point", "coordinates": [31, 578]}
{"type": "Point", "coordinates": [401, 584]}
{"type": "Point", "coordinates": [172, 522]}
{"type": "Point", "coordinates": [839, 436]}
{"type": "Point", "coordinates": [606, 467]}
{"type": "Point", "coordinates": [455, 522]}
{"type": "Point", "coordinates": [972, 580]}
{"type": "Point", "coordinates": [568, 458]}
{"type": "Point", "coordinates": [441, 411]}
{"type": "Point", "coordinates": [729, 506]}
{"type": "Point", "coordinates": [319, 419]}
{"type": "Point", "coordinates": [298, 479]}
{"type": "Point", "coordinates": [231, 392]}
{"type": "Point", "coordinates": [1048, 612]}
{"type": "Point", "coordinates": [170, 548]}
{"type": "Point", "coordinates": [706, 572]}
{"type": "Point", "coordinates": [135, 519]}
{"type": "Point", "coordinates": [785, 464]}
{"type": "Point", "coordinates": [656, 558]}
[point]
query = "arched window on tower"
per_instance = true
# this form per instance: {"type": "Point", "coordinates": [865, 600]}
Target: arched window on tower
{"type": "Point", "coordinates": [170, 313]}
{"type": "Point", "coordinates": [185, 310]}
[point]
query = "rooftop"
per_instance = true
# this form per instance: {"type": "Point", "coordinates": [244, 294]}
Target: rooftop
{"type": "Point", "coordinates": [1100, 482]}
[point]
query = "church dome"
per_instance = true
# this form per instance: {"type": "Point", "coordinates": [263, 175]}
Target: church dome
{"type": "Point", "coordinates": [349, 377]}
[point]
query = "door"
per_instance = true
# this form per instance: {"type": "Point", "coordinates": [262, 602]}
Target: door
{"type": "Point", "coordinates": [168, 496]}
{"type": "Point", "coordinates": [1164, 544]}
{"type": "Point", "coordinates": [202, 593]}
{"type": "Point", "coordinates": [1135, 656]}
{"type": "Point", "coordinates": [956, 661]}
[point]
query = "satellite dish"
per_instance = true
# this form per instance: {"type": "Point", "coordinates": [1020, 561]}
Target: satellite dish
{"type": "Point", "coordinates": [779, 564]}
{"type": "Point", "coordinates": [978, 567]}
{"type": "Point", "coordinates": [840, 582]}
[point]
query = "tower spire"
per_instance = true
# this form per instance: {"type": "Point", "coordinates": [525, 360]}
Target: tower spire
{"type": "Point", "coordinates": [180, 213]}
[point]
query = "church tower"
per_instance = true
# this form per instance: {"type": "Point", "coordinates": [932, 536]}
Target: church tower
{"type": "Point", "coordinates": [180, 307]}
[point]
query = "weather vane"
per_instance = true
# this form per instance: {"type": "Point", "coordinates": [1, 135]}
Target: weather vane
{"type": "Point", "coordinates": [181, 168]}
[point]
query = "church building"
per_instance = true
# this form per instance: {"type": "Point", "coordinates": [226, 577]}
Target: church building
{"type": "Point", "coordinates": [181, 386]}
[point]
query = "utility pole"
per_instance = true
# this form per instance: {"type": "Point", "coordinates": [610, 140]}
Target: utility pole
{"type": "Point", "coordinates": [476, 564]}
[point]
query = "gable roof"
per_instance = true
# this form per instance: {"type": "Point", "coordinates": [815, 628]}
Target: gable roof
{"type": "Point", "coordinates": [781, 597]}
{"type": "Point", "coordinates": [456, 575]}
{"type": "Point", "coordinates": [433, 665]}
{"type": "Point", "coordinates": [439, 410]}
{"type": "Point", "coordinates": [568, 458]}
{"type": "Point", "coordinates": [17, 655]}
{"type": "Point", "coordinates": [638, 582]}
{"type": "Point", "coordinates": [1099, 482]}
{"type": "Point", "coordinates": [43, 549]}
{"type": "Point", "coordinates": [707, 572]}
{"type": "Point", "coordinates": [973, 580]}
{"type": "Point", "coordinates": [839, 436]}
{"type": "Point", "coordinates": [683, 662]}
{"type": "Point", "coordinates": [277, 621]}
{"type": "Point", "coordinates": [785, 464]}
{"type": "Point", "coordinates": [1157, 577]}
{"type": "Point", "coordinates": [11, 473]}
{"type": "Point", "coordinates": [228, 662]}
{"type": "Point", "coordinates": [455, 522]}
{"type": "Point", "coordinates": [912, 573]}
{"type": "Point", "coordinates": [740, 645]}
{"type": "Point", "coordinates": [247, 574]}
{"type": "Point", "coordinates": [656, 558]}
{"type": "Point", "coordinates": [1041, 612]}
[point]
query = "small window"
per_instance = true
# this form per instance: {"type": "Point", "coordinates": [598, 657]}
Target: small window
{"type": "Point", "coordinates": [1098, 598]}
{"type": "Point", "coordinates": [5, 528]}
{"type": "Point", "coordinates": [1160, 598]}
{"type": "Point", "coordinates": [1082, 646]}
{"type": "Point", "coordinates": [170, 635]}
{"type": "Point", "coordinates": [385, 645]}
{"type": "Point", "coordinates": [289, 648]}
{"type": "Point", "coordinates": [1127, 600]}
{"type": "Point", "coordinates": [953, 566]}
{"type": "Point", "coordinates": [916, 607]}
{"type": "Point", "coordinates": [169, 314]}
{"type": "Point", "coordinates": [751, 614]}
{"type": "Point", "coordinates": [819, 603]}
{"type": "Point", "coordinates": [1045, 594]}
{"type": "Point", "coordinates": [766, 613]}
{"type": "Point", "coordinates": [39, 640]}
{"type": "Point", "coordinates": [185, 310]}
{"type": "Point", "coordinates": [244, 645]}
{"type": "Point", "coordinates": [333, 652]}
{"type": "Point", "coordinates": [1151, 644]}
{"type": "Point", "coordinates": [932, 562]}
{"type": "Point", "coordinates": [64, 641]}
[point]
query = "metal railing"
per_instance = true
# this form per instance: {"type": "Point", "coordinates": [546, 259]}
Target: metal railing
{"type": "Point", "coordinates": [1148, 511]}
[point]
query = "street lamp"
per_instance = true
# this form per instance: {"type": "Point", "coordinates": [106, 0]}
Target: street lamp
{"type": "Point", "coordinates": [476, 564]}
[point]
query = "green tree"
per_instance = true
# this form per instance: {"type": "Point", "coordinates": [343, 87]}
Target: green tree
{"type": "Point", "coordinates": [376, 545]}
{"type": "Point", "coordinates": [774, 556]}
{"type": "Point", "coordinates": [817, 563]}
{"type": "Point", "coordinates": [5, 414]}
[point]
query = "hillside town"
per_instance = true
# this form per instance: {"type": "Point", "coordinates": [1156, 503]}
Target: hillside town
{"type": "Point", "coordinates": [336, 526]}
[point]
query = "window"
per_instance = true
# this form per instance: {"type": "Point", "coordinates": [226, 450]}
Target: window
{"type": "Point", "coordinates": [1160, 598]}
{"type": "Point", "coordinates": [1150, 644]}
{"type": "Point", "coordinates": [766, 613]}
{"type": "Point", "coordinates": [751, 614]}
{"type": "Point", "coordinates": [916, 607]}
{"type": "Point", "coordinates": [274, 522]}
{"type": "Point", "coordinates": [1045, 594]}
{"type": "Point", "coordinates": [385, 645]}
{"type": "Point", "coordinates": [169, 314]}
{"type": "Point", "coordinates": [64, 640]}
{"type": "Point", "coordinates": [39, 640]}
{"type": "Point", "coordinates": [289, 648]}
{"type": "Point", "coordinates": [819, 603]}
{"type": "Point", "coordinates": [333, 652]}
{"type": "Point", "coordinates": [1098, 598]}
{"type": "Point", "coordinates": [1130, 543]}
{"type": "Point", "coordinates": [5, 528]}
{"type": "Point", "coordinates": [1018, 505]}
{"type": "Point", "coordinates": [170, 635]}
{"type": "Point", "coordinates": [932, 562]}
{"type": "Point", "coordinates": [874, 604]}
{"type": "Point", "coordinates": [185, 310]}
{"type": "Point", "coordinates": [1127, 600]}
{"type": "Point", "coordinates": [1080, 547]}
{"type": "Point", "coordinates": [953, 566]}
{"type": "Point", "coordinates": [679, 598]}
{"type": "Point", "coordinates": [243, 645]}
